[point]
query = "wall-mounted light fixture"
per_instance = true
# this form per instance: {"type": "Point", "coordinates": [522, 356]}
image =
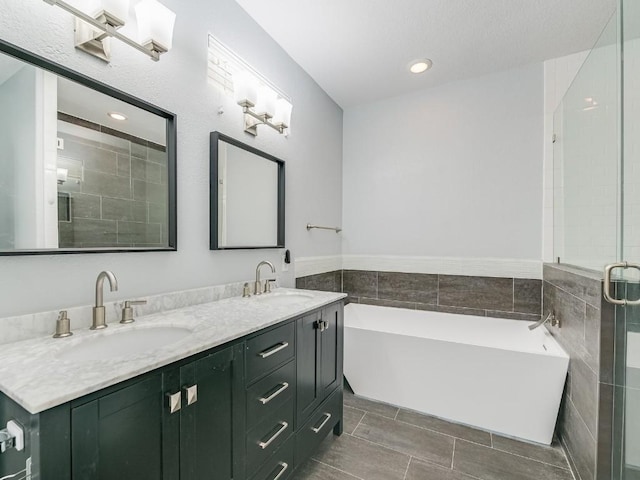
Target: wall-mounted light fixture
{"type": "Point", "coordinates": [94, 31]}
{"type": "Point", "coordinates": [262, 102]}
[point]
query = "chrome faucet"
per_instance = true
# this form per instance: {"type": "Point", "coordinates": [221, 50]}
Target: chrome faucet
{"type": "Point", "coordinates": [258, 284]}
{"type": "Point", "coordinates": [99, 320]}
{"type": "Point", "coordinates": [551, 318]}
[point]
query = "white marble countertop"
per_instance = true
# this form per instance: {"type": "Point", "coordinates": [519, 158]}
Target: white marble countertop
{"type": "Point", "coordinates": [32, 374]}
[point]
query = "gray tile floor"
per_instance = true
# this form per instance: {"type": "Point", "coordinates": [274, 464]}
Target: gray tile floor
{"type": "Point", "coordinates": [381, 442]}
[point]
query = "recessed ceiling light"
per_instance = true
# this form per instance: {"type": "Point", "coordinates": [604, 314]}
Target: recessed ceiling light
{"type": "Point", "coordinates": [117, 116]}
{"type": "Point", "coordinates": [419, 66]}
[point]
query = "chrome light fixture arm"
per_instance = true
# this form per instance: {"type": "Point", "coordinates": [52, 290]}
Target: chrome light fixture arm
{"type": "Point", "coordinates": [97, 45]}
{"type": "Point", "coordinates": [252, 120]}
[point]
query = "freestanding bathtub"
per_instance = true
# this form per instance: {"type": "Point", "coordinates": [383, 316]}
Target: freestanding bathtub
{"type": "Point", "coordinates": [485, 372]}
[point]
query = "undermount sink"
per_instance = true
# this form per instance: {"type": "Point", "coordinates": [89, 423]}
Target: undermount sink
{"type": "Point", "coordinates": [283, 298]}
{"type": "Point", "coordinates": [124, 343]}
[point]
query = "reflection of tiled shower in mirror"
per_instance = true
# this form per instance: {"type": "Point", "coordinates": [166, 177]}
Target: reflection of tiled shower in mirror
{"type": "Point", "coordinates": [83, 166]}
{"type": "Point", "coordinates": [111, 187]}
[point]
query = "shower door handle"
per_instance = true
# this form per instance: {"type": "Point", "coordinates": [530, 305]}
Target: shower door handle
{"type": "Point", "coordinates": [606, 290]}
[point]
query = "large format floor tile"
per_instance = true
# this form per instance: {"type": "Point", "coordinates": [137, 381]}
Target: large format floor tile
{"type": "Point", "coordinates": [314, 470]}
{"type": "Point", "coordinates": [370, 406]}
{"type": "Point", "coordinates": [442, 426]}
{"type": "Point", "coordinates": [402, 437]}
{"type": "Point", "coordinates": [552, 455]}
{"type": "Point", "coordinates": [351, 419]}
{"type": "Point", "coordinates": [382, 442]}
{"type": "Point", "coordinates": [490, 464]}
{"type": "Point", "coordinates": [362, 458]}
{"type": "Point", "coordinates": [419, 470]}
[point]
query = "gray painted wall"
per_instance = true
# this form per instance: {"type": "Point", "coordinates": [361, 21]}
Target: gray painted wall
{"type": "Point", "coordinates": [313, 154]}
{"type": "Point", "coordinates": [450, 171]}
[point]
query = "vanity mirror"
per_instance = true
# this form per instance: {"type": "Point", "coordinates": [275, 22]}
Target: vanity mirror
{"type": "Point", "coordinates": [84, 167]}
{"type": "Point", "coordinates": [247, 196]}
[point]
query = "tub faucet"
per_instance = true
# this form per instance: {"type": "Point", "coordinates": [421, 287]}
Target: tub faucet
{"type": "Point", "coordinates": [551, 318]}
{"type": "Point", "coordinates": [99, 321]}
{"type": "Point", "coordinates": [258, 284]}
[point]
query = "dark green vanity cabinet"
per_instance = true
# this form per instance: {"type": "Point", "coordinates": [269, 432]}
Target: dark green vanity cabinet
{"type": "Point", "coordinates": [319, 342]}
{"type": "Point", "coordinates": [252, 409]}
{"type": "Point", "coordinates": [178, 424]}
{"type": "Point", "coordinates": [319, 359]}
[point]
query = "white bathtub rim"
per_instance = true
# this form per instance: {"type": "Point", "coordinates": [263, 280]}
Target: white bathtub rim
{"type": "Point", "coordinates": [554, 350]}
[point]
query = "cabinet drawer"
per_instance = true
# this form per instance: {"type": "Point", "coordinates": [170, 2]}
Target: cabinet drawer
{"type": "Point", "coordinates": [280, 465]}
{"type": "Point", "coordinates": [267, 395]}
{"type": "Point", "coordinates": [265, 438]}
{"type": "Point", "coordinates": [319, 424]}
{"type": "Point", "coordinates": [269, 350]}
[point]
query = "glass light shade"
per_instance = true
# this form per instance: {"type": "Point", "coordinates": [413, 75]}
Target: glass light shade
{"type": "Point", "coordinates": [155, 23]}
{"type": "Point", "coordinates": [283, 112]}
{"type": "Point", "coordinates": [245, 87]}
{"type": "Point", "coordinates": [115, 8]}
{"type": "Point", "coordinates": [267, 99]}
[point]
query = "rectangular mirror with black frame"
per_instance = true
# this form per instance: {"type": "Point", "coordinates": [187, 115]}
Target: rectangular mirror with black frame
{"type": "Point", "coordinates": [85, 168]}
{"type": "Point", "coordinates": [247, 196]}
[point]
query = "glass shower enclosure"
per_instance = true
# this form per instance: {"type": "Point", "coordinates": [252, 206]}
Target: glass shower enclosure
{"type": "Point", "coordinates": [597, 205]}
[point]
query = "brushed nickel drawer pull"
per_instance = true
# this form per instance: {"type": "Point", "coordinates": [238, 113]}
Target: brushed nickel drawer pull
{"type": "Point", "coordinates": [317, 429]}
{"type": "Point", "coordinates": [283, 427]}
{"type": "Point", "coordinates": [284, 466]}
{"type": "Point", "coordinates": [283, 387]}
{"type": "Point", "coordinates": [276, 349]}
{"type": "Point", "coordinates": [192, 394]}
{"type": "Point", "coordinates": [175, 402]}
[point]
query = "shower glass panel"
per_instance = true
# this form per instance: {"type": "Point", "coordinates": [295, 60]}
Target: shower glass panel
{"type": "Point", "coordinates": [597, 203]}
{"type": "Point", "coordinates": [626, 463]}
{"type": "Point", "coordinates": [586, 160]}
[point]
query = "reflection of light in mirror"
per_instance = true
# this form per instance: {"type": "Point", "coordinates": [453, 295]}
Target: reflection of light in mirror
{"type": "Point", "coordinates": [117, 116]}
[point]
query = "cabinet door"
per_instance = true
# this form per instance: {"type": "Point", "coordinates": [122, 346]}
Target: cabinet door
{"type": "Point", "coordinates": [330, 366]}
{"type": "Point", "coordinates": [120, 435]}
{"type": "Point", "coordinates": [212, 417]}
{"type": "Point", "coordinates": [307, 359]}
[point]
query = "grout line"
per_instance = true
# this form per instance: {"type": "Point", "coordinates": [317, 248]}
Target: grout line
{"type": "Point", "coordinates": [359, 422]}
{"type": "Point", "coordinates": [513, 294]}
{"type": "Point", "coordinates": [453, 453]}
{"type": "Point", "coordinates": [584, 327]}
{"type": "Point", "coordinates": [580, 415]}
{"type": "Point", "coordinates": [529, 458]}
{"type": "Point", "coordinates": [335, 468]}
{"type": "Point", "coordinates": [491, 439]}
{"type": "Point", "coordinates": [573, 295]}
{"type": "Point", "coordinates": [396, 415]}
{"type": "Point", "coordinates": [406, 471]}
{"type": "Point", "coordinates": [574, 473]}
{"type": "Point", "coordinates": [444, 434]}
{"type": "Point", "coordinates": [387, 447]}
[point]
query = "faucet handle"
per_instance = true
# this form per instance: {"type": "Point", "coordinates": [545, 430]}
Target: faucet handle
{"type": "Point", "coordinates": [63, 326]}
{"type": "Point", "coordinates": [267, 284]}
{"type": "Point", "coordinates": [127, 311]}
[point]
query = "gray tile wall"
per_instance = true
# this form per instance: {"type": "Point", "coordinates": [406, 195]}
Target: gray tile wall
{"type": "Point", "coordinates": [586, 333]}
{"type": "Point", "coordinates": [118, 189]}
{"type": "Point", "coordinates": [519, 299]}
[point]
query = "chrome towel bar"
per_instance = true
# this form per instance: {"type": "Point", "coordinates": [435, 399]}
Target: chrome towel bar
{"type": "Point", "coordinates": [336, 229]}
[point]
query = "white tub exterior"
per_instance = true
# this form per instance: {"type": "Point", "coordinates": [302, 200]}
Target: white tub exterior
{"type": "Point", "coordinates": [486, 372]}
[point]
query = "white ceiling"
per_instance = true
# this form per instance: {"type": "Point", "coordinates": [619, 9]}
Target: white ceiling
{"type": "Point", "coordinates": [82, 102]}
{"type": "Point", "coordinates": [358, 50]}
